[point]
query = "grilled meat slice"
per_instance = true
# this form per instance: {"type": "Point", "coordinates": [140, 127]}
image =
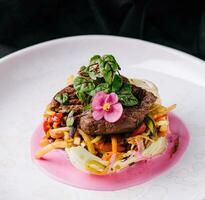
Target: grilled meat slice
{"type": "Point", "coordinates": [73, 104]}
{"type": "Point", "coordinates": [128, 121]}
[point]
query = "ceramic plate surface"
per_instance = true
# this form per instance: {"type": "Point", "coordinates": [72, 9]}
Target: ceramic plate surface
{"type": "Point", "coordinates": [28, 80]}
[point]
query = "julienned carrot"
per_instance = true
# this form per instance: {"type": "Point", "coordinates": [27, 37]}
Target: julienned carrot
{"type": "Point", "coordinates": [96, 139]}
{"type": "Point", "coordinates": [50, 147]}
{"type": "Point", "coordinates": [107, 147]}
{"type": "Point", "coordinates": [114, 144]}
{"type": "Point", "coordinates": [107, 155]}
{"type": "Point", "coordinates": [162, 133]}
{"type": "Point", "coordinates": [87, 140]}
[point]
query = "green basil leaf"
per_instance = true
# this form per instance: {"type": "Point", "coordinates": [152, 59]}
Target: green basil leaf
{"type": "Point", "coordinates": [87, 107]}
{"type": "Point", "coordinates": [83, 97]}
{"type": "Point", "coordinates": [83, 71]}
{"type": "Point", "coordinates": [95, 59]}
{"type": "Point", "coordinates": [103, 87]}
{"type": "Point", "coordinates": [93, 75]}
{"type": "Point", "coordinates": [58, 98]}
{"type": "Point", "coordinates": [92, 93]}
{"type": "Point", "coordinates": [108, 67]}
{"type": "Point", "coordinates": [109, 58]}
{"type": "Point", "coordinates": [114, 66]}
{"type": "Point", "coordinates": [116, 83]}
{"type": "Point", "coordinates": [100, 75]}
{"type": "Point", "coordinates": [128, 99]}
{"type": "Point", "coordinates": [112, 62]}
{"type": "Point", "coordinates": [83, 87]}
{"type": "Point", "coordinates": [62, 98]}
{"type": "Point", "coordinates": [65, 99]}
{"type": "Point", "coordinates": [94, 71]}
{"type": "Point", "coordinates": [125, 89]}
{"type": "Point", "coordinates": [107, 72]}
{"type": "Point", "coordinates": [83, 84]}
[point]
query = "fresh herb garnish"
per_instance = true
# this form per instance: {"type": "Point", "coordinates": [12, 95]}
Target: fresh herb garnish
{"type": "Point", "coordinates": [84, 87]}
{"type": "Point", "coordinates": [108, 68]}
{"type": "Point", "coordinates": [87, 107]}
{"type": "Point", "coordinates": [125, 95]}
{"type": "Point", "coordinates": [105, 87]}
{"type": "Point", "coordinates": [125, 89]}
{"type": "Point", "coordinates": [62, 98]}
{"type": "Point", "coordinates": [116, 83]}
{"type": "Point", "coordinates": [102, 74]}
{"type": "Point", "coordinates": [128, 99]}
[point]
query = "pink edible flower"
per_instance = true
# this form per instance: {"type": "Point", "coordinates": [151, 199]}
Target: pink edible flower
{"type": "Point", "coordinates": [106, 106]}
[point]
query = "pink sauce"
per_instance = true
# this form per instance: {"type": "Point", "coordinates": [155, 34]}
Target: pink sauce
{"type": "Point", "coordinates": [56, 165]}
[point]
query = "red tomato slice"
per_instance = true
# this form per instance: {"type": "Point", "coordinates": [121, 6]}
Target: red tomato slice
{"type": "Point", "coordinates": [139, 130]}
{"type": "Point", "coordinates": [46, 126]}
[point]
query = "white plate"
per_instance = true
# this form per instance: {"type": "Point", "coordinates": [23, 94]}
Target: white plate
{"type": "Point", "coordinates": [28, 80]}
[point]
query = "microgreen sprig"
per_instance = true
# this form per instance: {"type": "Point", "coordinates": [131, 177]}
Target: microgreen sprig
{"type": "Point", "coordinates": [102, 74]}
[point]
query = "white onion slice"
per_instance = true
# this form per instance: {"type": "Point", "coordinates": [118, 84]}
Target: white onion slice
{"type": "Point", "coordinates": [148, 86]}
{"type": "Point", "coordinates": [80, 157]}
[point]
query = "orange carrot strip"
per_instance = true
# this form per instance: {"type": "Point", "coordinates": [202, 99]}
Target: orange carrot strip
{"type": "Point", "coordinates": [107, 156]}
{"type": "Point", "coordinates": [162, 134]}
{"type": "Point", "coordinates": [114, 144]}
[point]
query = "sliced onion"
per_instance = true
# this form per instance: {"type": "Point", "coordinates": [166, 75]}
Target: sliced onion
{"type": "Point", "coordinates": [148, 86]}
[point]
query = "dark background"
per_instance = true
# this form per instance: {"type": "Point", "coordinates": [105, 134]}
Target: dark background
{"type": "Point", "coordinates": [176, 23]}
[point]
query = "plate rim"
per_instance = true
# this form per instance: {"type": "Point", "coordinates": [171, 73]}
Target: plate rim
{"type": "Point", "coordinates": [100, 36]}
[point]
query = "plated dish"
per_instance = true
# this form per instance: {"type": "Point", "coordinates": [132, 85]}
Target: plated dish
{"type": "Point", "coordinates": [31, 77]}
{"type": "Point", "coordinates": [106, 122]}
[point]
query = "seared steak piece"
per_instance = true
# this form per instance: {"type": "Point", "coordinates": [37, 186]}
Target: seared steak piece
{"type": "Point", "coordinates": [128, 120]}
{"type": "Point", "coordinates": [73, 104]}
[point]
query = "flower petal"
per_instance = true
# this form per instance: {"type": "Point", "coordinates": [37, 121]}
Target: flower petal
{"type": "Point", "coordinates": [114, 113]}
{"type": "Point", "coordinates": [111, 98]}
{"type": "Point", "coordinates": [98, 115]}
{"type": "Point", "coordinates": [98, 100]}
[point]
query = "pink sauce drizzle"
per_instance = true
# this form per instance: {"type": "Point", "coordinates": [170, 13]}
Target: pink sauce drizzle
{"type": "Point", "coordinates": [56, 165]}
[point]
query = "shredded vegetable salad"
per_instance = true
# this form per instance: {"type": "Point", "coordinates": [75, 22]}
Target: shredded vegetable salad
{"type": "Point", "coordinates": [104, 153]}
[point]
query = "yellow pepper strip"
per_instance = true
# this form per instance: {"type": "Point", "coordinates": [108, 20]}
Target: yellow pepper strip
{"type": "Point", "coordinates": [66, 136]}
{"type": "Point", "coordinates": [114, 144]}
{"type": "Point", "coordinates": [92, 170]}
{"type": "Point", "coordinates": [90, 167]}
{"type": "Point", "coordinates": [87, 140]}
{"type": "Point", "coordinates": [55, 145]}
{"type": "Point", "coordinates": [59, 130]}
{"type": "Point", "coordinates": [96, 139]}
{"type": "Point", "coordinates": [170, 108]}
{"type": "Point", "coordinates": [44, 142]}
{"type": "Point", "coordinates": [132, 140]}
{"type": "Point", "coordinates": [56, 135]}
{"type": "Point", "coordinates": [70, 80]}
{"type": "Point", "coordinates": [154, 107]}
